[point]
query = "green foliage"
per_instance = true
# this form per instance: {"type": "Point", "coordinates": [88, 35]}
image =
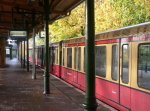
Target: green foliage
{"type": "Point", "coordinates": [106, 18]}
{"type": "Point", "coordinates": [131, 12]}
{"type": "Point", "coordinates": [70, 26]}
{"type": "Point", "coordinates": [109, 15]}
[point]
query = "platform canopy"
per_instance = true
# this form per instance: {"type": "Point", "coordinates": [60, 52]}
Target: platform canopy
{"type": "Point", "coordinates": [14, 14]}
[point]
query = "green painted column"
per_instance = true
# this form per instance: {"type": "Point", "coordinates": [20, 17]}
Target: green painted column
{"type": "Point", "coordinates": [18, 50]}
{"type": "Point", "coordinates": [90, 103]}
{"type": "Point", "coordinates": [46, 74]}
{"type": "Point", "coordinates": [24, 61]}
{"type": "Point", "coordinates": [27, 43]}
{"type": "Point", "coordinates": [21, 53]}
{"type": "Point", "coordinates": [33, 48]}
{"type": "Point", "coordinates": [27, 51]}
{"type": "Point", "coordinates": [33, 56]}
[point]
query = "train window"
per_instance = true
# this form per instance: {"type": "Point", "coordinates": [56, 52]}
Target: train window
{"type": "Point", "coordinates": [144, 66]}
{"type": "Point", "coordinates": [75, 58]}
{"type": "Point", "coordinates": [69, 57]}
{"type": "Point", "coordinates": [125, 63]}
{"type": "Point", "coordinates": [56, 55]}
{"type": "Point", "coordinates": [63, 58]}
{"type": "Point", "coordinates": [100, 61]}
{"type": "Point", "coordinates": [79, 58]}
{"type": "Point", "coordinates": [53, 56]}
{"type": "Point", "coordinates": [114, 64]}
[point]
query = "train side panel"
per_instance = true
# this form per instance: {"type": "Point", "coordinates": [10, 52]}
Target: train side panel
{"type": "Point", "coordinates": [55, 70]}
{"type": "Point", "coordinates": [125, 92]}
{"type": "Point", "coordinates": [140, 91]}
{"type": "Point", "coordinates": [107, 89]}
{"type": "Point", "coordinates": [140, 101]}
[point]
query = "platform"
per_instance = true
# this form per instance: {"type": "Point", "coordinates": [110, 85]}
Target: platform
{"type": "Point", "coordinates": [18, 92]}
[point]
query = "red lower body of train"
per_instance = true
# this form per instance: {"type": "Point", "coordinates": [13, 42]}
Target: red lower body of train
{"type": "Point", "coordinates": [121, 97]}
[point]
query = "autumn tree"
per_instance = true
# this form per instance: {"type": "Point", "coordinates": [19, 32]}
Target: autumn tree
{"type": "Point", "coordinates": [131, 12]}
{"type": "Point", "coordinates": [109, 15]}
{"type": "Point", "coordinates": [106, 17]}
{"type": "Point", "coordinates": [70, 26]}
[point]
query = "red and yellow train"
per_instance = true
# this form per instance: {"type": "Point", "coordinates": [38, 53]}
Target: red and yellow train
{"type": "Point", "coordinates": [122, 66]}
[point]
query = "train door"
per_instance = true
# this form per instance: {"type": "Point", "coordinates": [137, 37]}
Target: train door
{"type": "Point", "coordinates": [63, 66]}
{"type": "Point", "coordinates": [125, 72]}
{"type": "Point", "coordinates": [76, 64]}
{"type": "Point", "coordinates": [69, 74]}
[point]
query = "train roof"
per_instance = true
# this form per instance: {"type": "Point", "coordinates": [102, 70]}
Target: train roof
{"type": "Point", "coordinates": [134, 30]}
{"type": "Point", "coordinates": [129, 27]}
{"type": "Point", "coordinates": [55, 44]}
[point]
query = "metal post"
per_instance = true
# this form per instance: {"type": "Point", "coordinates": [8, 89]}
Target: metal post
{"type": "Point", "coordinates": [46, 74]}
{"type": "Point", "coordinates": [24, 61]}
{"type": "Point", "coordinates": [18, 45]}
{"type": "Point", "coordinates": [90, 103]}
{"type": "Point", "coordinates": [21, 54]}
{"type": "Point", "coordinates": [33, 51]}
{"type": "Point", "coordinates": [27, 51]}
{"type": "Point", "coordinates": [33, 56]}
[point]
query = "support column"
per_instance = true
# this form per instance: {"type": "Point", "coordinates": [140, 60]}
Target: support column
{"type": "Point", "coordinates": [46, 74]}
{"type": "Point", "coordinates": [90, 103]}
{"type": "Point", "coordinates": [21, 53]}
{"type": "Point", "coordinates": [33, 51]}
{"type": "Point", "coordinates": [27, 51]}
{"type": "Point", "coordinates": [18, 50]}
{"type": "Point", "coordinates": [33, 56]}
{"type": "Point", "coordinates": [24, 61]}
{"type": "Point", "coordinates": [18, 45]}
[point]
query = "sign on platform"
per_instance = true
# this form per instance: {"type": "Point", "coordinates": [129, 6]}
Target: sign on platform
{"type": "Point", "coordinates": [42, 34]}
{"type": "Point", "coordinates": [18, 33]}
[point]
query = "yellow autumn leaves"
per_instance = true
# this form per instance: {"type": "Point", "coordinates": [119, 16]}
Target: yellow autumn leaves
{"type": "Point", "coordinates": [109, 15]}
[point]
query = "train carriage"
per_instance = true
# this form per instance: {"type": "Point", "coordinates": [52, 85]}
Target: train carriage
{"type": "Point", "coordinates": [119, 66]}
{"type": "Point", "coordinates": [122, 66]}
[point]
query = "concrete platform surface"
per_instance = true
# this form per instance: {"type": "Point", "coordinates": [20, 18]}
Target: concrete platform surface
{"type": "Point", "coordinates": [18, 92]}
